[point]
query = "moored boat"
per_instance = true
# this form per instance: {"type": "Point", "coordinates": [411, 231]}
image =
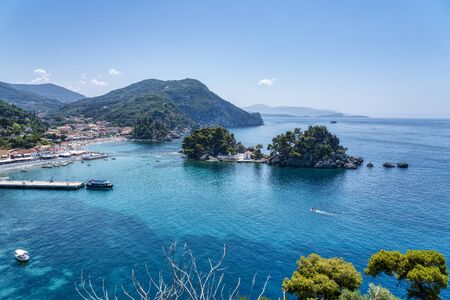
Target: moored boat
{"type": "Point", "coordinates": [99, 184]}
{"type": "Point", "coordinates": [22, 255]}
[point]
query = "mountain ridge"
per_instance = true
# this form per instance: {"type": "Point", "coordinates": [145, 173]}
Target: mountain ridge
{"type": "Point", "coordinates": [296, 111]}
{"type": "Point", "coordinates": [50, 90]}
{"type": "Point", "coordinates": [191, 96]}
{"type": "Point", "coordinates": [27, 100]}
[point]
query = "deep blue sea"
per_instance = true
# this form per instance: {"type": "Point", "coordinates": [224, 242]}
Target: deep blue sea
{"type": "Point", "coordinates": [261, 213]}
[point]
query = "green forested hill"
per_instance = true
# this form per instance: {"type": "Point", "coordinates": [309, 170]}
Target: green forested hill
{"type": "Point", "coordinates": [190, 96]}
{"type": "Point", "coordinates": [153, 116]}
{"type": "Point", "coordinates": [18, 128]}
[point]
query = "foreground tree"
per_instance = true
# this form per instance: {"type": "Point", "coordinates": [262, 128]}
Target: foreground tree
{"type": "Point", "coordinates": [209, 142]}
{"type": "Point", "coordinates": [424, 270]}
{"type": "Point", "coordinates": [322, 278]}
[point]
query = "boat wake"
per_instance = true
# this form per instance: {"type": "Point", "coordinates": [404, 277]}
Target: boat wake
{"type": "Point", "coordinates": [322, 212]}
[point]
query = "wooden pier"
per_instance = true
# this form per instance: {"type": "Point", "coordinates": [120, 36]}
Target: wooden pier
{"type": "Point", "coordinates": [46, 185]}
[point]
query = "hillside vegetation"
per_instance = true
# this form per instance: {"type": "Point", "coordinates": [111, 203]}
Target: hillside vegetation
{"type": "Point", "coordinates": [315, 147]}
{"type": "Point", "coordinates": [209, 142]}
{"type": "Point", "coordinates": [190, 96]}
{"type": "Point", "coordinates": [18, 128]}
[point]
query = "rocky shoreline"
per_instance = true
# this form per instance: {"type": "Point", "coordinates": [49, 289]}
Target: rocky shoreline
{"type": "Point", "coordinates": [334, 161]}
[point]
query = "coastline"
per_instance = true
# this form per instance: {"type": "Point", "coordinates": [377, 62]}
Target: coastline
{"type": "Point", "coordinates": [79, 145]}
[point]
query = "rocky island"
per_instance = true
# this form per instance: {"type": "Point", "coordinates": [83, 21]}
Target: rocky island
{"type": "Point", "coordinates": [316, 147]}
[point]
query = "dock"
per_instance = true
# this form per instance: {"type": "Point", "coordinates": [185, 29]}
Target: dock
{"type": "Point", "coordinates": [46, 185]}
{"type": "Point", "coordinates": [254, 161]}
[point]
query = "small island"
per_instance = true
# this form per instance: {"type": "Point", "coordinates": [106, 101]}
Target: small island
{"type": "Point", "coordinates": [315, 147]}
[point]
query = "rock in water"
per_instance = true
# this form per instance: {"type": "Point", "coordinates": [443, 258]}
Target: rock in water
{"type": "Point", "coordinates": [350, 165]}
{"type": "Point", "coordinates": [370, 165]}
{"type": "Point", "coordinates": [402, 165]}
{"type": "Point", "coordinates": [388, 165]}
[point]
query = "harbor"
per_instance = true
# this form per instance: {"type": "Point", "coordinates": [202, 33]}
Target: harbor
{"type": "Point", "coordinates": [40, 184]}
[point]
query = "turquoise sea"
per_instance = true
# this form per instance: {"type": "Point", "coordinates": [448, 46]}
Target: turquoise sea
{"type": "Point", "coordinates": [261, 213]}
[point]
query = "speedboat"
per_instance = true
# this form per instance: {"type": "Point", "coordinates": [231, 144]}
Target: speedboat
{"type": "Point", "coordinates": [22, 255]}
{"type": "Point", "coordinates": [99, 184]}
{"type": "Point", "coordinates": [312, 209]}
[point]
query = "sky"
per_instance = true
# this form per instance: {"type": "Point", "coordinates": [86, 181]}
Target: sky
{"type": "Point", "coordinates": [374, 57]}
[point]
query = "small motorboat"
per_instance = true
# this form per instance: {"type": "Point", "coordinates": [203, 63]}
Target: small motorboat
{"type": "Point", "coordinates": [22, 255]}
{"type": "Point", "coordinates": [312, 209]}
{"type": "Point", "coordinates": [333, 122]}
{"type": "Point", "coordinates": [98, 184]}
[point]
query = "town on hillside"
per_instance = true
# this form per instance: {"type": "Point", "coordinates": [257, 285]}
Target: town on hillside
{"type": "Point", "coordinates": [65, 141]}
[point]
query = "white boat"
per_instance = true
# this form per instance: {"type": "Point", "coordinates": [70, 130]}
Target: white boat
{"type": "Point", "coordinates": [22, 255]}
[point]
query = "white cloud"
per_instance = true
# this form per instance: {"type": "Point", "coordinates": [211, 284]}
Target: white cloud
{"type": "Point", "coordinates": [267, 82]}
{"type": "Point", "coordinates": [98, 82]}
{"type": "Point", "coordinates": [41, 76]}
{"type": "Point", "coordinates": [83, 76]}
{"type": "Point", "coordinates": [114, 72]}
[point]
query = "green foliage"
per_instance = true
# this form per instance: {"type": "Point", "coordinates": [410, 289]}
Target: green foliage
{"type": "Point", "coordinates": [211, 141]}
{"type": "Point", "coordinates": [257, 152]}
{"type": "Point", "coordinates": [424, 270]}
{"type": "Point", "coordinates": [350, 295]}
{"type": "Point", "coordinates": [189, 96]}
{"type": "Point", "coordinates": [375, 292]}
{"type": "Point", "coordinates": [317, 277]}
{"type": "Point", "coordinates": [306, 148]}
{"type": "Point", "coordinates": [150, 129]}
{"type": "Point", "coordinates": [18, 128]}
{"type": "Point", "coordinates": [152, 116]}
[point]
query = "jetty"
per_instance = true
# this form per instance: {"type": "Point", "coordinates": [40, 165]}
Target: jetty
{"type": "Point", "coordinates": [46, 185]}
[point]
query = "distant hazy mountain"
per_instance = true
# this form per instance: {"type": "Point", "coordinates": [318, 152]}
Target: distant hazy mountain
{"type": "Point", "coordinates": [27, 100]}
{"type": "Point", "coordinates": [295, 111]}
{"type": "Point", "coordinates": [189, 96]}
{"type": "Point", "coordinates": [288, 110]}
{"type": "Point", "coordinates": [51, 91]}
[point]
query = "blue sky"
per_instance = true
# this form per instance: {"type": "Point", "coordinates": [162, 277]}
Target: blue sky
{"type": "Point", "coordinates": [380, 58]}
